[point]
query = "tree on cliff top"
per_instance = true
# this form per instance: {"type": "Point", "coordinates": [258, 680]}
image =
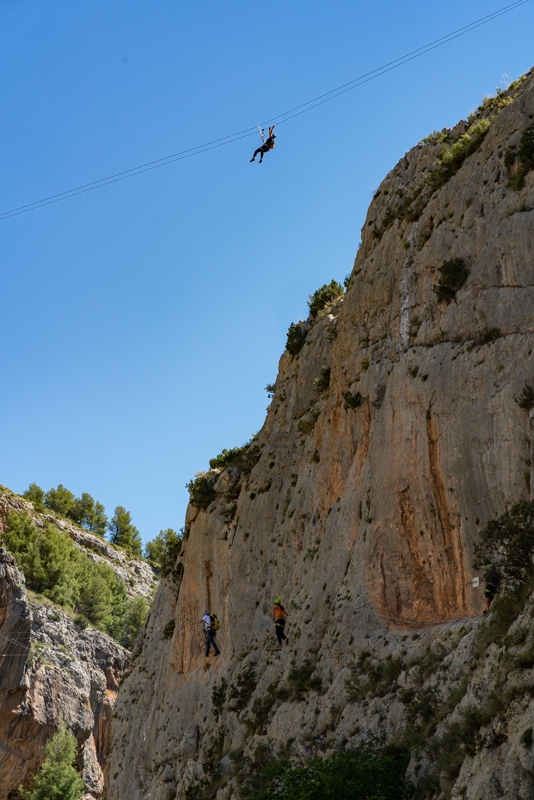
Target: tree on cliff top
{"type": "Point", "coordinates": [57, 779]}
{"type": "Point", "coordinates": [123, 533]}
{"type": "Point", "coordinates": [323, 296]}
{"type": "Point", "coordinates": [164, 550]}
{"type": "Point", "coordinates": [84, 510]}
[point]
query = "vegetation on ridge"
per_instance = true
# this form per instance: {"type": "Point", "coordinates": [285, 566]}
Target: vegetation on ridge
{"type": "Point", "coordinates": [521, 162]}
{"type": "Point", "coordinates": [296, 336]}
{"type": "Point", "coordinates": [324, 296]}
{"type": "Point", "coordinates": [164, 550]}
{"type": "Point", "coordinates": [202, 488]}
{"type": "Point", "coordinates": [54, 567]}
{"type": "Point", "coordinates": [84, 510]}
{"type": "Point", "coordinates": [88, 514]}
{"type": "Point", "coordinates": [455, 149]}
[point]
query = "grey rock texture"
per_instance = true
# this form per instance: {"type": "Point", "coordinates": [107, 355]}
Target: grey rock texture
{"type": "Point", "coordinates": [51, 670]}
{"type": "Point", "coordinates": [364, 516]}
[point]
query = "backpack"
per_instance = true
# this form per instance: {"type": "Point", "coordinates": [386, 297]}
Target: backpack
{"type": "Point", "coordinates": [214, 622]}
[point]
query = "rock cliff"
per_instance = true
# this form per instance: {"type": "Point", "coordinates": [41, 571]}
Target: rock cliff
{"type": "Point", "coordinates": [393, 436]}
{"type": "Point", "coordinates": [52, 669]}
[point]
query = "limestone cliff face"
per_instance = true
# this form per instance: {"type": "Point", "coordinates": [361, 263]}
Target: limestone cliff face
{"type": "Point", "coordinates": [50, 670]}
{"type": "Point", "coordinates": [362, 516]}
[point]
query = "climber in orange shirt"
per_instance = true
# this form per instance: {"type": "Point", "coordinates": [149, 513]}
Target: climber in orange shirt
{"type": "Point", "coordinates": [280, 616]}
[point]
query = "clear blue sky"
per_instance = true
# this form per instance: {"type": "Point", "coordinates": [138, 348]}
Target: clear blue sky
{"type": "Point", "coordinates": [141, 322]}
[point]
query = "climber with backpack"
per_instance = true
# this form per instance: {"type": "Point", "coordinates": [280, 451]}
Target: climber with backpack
{"type": "Point", "coordinates": [280, 616]}
{"type": "Point", "coordinates": [211, 623]}
{"type": "Point", "coordinates": [492, 579]}
{"type": "Point", "coordinates": [266, 146]}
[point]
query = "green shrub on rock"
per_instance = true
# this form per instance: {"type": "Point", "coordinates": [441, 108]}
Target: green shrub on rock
{"type": "Point", "coordinates": [508, 542]}
{"type": "Point", "coordinates": [323, 296]}
{"type": "Point", "coordinates": [526, 398]}
{"type": "Point", "coordinates": [296, 336]}
{"type": "Point", "coordinates": [201, 491]}
{"type": "Point", "coordinates": [521, 162]}
{"type": "Point", "coordinates": [453, 156]}
{"type": "Point", "coordinates": [367, 772]}
{"type": "Point", "coordinates": [525, 153]}
{"type": "Point", "coordinates": [57, 778]}
{"type": "Point", "coordinates": [453, 275]}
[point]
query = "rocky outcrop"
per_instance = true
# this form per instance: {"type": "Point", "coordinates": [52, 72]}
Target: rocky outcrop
{"type": "Point", "coordinates": [393, 436]}
{"type": "Point", "coordinates": [138, 576]}
{"type": "Point", "coordinates": [51, 670]}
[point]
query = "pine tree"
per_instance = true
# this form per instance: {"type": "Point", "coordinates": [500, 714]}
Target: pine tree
{"type": "Point", "coordinates": [60, 500]}
{"type": "Point", "coordinates": [36, 496]}
{"type": "Point", "coordinates": [57, 779]}
{"type": "Point", "coordinates": [99, 521]}
{"type": "Point", "coordinates": [164, 550]}
{"type": "Point", "coordinates": [82, 509]}
{"type": "Point", "coordinates": [123, 532]}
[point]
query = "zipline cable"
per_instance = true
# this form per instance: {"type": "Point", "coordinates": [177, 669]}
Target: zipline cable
{"type": "Point", "coordinates": [279, 119]}
{"type": "Point", "coordinates": [19, 644]}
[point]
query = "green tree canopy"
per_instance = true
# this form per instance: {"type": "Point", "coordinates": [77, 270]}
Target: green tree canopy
{"type": "Point", "coordinates": [508, 542]}
{"type": "Point", "coordinates": [323, 296]}
{"type": "Point", "coordinates": [36, 496]}
{"type": "Point", "coordinates": [84, 510]}
{"type": "Point", "coordinates": [123, 533]}
{"type": "Point", "coordinates": [46, 556]}
{"type": "Point", "coordinates": [368, 772]}
{"type": "Point", "coordinates": [54, 567]}
{"type": "Point", "coordinates": [57, 779]}
{"type": "Point", "coordinates": [134, 614]}
{"type": "Point", "coordinates": [98, 522]}
{"type": "Point", "coordinates": [60, 500]}
{"type": "Point", "coordinates": [164, 550]}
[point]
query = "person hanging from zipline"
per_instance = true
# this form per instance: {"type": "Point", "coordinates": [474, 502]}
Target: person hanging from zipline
{"type": "Point", "coordinates": [280, 615]}
{"type": "Point", "coordinates": [266, 146]}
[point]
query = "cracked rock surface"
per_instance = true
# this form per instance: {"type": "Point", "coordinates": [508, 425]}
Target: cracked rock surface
{"type": "Point", "coordinates": [51, 670]}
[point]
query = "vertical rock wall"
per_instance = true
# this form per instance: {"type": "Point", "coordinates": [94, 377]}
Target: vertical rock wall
{"type": "Point", "coordinates": [362, 515]}
{"type": "Point", "coordinates": [51, 670]}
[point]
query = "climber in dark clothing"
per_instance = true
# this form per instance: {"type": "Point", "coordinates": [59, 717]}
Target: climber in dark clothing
{"type": "Point", "coordinates": [492, 580]}
{"type": "Point", "coordinates": [209, 632]}
{"type": "Point", "coordinates": [266, 146]}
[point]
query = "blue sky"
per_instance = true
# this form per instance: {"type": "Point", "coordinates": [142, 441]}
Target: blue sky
{"type": "Point", "coordinates": [141, 322]}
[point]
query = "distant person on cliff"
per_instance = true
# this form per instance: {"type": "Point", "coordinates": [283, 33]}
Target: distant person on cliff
{"type": "Point", "coordinates": [210, 631]}
{"type": "Point", "coordinates": [266, 146]}
{"type": "Point", "coordinates": [492, 579]}
{"type": "Point", "coordinates": [280, 615]}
